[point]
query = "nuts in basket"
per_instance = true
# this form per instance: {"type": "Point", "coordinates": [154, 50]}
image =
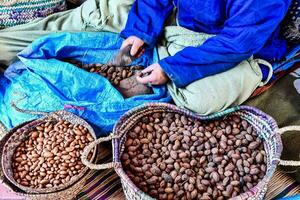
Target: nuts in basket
{"type": "Point", "coordinates": [50, 155]}
{"type": "Point", "coordinates": [170, 156]}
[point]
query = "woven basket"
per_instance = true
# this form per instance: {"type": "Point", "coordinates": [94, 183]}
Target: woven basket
{"type": "Point", "coordinates": [12, 139]}
{"type": "Point", "coordinates": [15, 12]}
{"type": "Point", "coordinates": [265, 126]}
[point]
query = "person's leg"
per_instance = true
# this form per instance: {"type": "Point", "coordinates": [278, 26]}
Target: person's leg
{"type": "Point", "coordinates": [93, 15]}
{"type": "Point", "coordinates": [220, 91]}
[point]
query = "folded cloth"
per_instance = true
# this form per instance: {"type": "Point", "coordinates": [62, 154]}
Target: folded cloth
{"type": "Point", "coordinates": [92, 15]}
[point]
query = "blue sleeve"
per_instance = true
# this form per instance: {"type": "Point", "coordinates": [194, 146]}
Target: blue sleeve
{"type": "Point", "coordinates": [146, 19]}
{"type": "Point", "coordinates": [248, 27]}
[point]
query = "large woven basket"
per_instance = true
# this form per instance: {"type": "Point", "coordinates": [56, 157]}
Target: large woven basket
{"type": "Point", "coordinates": [265, 126]}
{"type": "Point", "coordinates": [16, 12]}
{"type": "Point", "coordinates": [12, 139]}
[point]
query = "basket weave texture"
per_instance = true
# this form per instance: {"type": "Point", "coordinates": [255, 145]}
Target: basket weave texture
{"type": "Point", "coordinates": [12, 139]}
{"type": "Point", "coordinates": [265, 126]}
{"type": "Point", "coordinates": [15, 12]}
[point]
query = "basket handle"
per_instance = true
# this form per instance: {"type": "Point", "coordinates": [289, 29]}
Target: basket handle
{"type": "Point", "coordinates": [88, 149]}
{"type": "Point", "coordinates": [281, 131]}
{"type": "Point", "coordinates": [13, 104]}
{"type": "Point", "coordinates": [3, 130]}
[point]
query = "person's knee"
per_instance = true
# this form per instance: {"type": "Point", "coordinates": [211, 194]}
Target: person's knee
{"type": "Point", "coordinates": [218, 92]}
{"type": "Point", "coordinates": [205, 104]}
{"type": "Point", "coordinates": [199, 102]}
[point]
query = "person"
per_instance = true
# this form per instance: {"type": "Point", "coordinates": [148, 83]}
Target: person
{"type": "Point", "coordinates": [208, 55]}
{"type": "Point", "coordinates": [241, 28]}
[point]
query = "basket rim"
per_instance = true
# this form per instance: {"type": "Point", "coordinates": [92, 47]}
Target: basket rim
{"type": "Point", "coordinates": [126, 117]}
{"type": "Point", "coordinates": [43, 191]}
{"type": "Point", "coordinates": [129, 113]}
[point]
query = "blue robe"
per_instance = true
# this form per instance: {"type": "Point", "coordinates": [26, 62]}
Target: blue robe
{"type": "Point", "coordinates": [242, 27]}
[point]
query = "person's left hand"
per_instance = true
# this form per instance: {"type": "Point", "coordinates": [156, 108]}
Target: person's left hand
{"type": "Point", "coordinates": [156, 75]}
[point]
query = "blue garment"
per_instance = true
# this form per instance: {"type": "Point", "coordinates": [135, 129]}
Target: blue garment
{"type": "Point", "coordinates": [243, 28]}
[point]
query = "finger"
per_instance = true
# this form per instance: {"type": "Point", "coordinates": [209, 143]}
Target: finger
{"type": "Point", "coordinates": [126, 43]}
{"type": "Point", "coordinates": [135, 48]}
{"type": "Point", "coordinates": [137, 44]}
{"type": "Point", "coordinates": [145, 80]}
{"type": "Point", "coordinates": [148, 69]}
{"type": "Point", "coordinates": [141, 53]}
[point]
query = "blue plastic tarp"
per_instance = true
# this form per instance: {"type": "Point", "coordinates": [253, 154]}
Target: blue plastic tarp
{"type": "Point", "coordinates": [296, 197]}
{"type": "Point", "coordinates": [41, 81]}
{"type": "Point", "coordinates": [292, 57]}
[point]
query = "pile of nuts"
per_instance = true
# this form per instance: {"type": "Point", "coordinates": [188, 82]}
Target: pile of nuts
{"type": "Point", "coordinates": [114, 74]}
{"type": "Point", "coordinates": [50, 155]}
{"type": "Point", "coordinates": [171, 156]}
{"type": "Point", "coordinates": [122, 78]}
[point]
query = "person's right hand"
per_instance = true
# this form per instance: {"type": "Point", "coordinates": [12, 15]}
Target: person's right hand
{"type": "Point", "coordinates": [136, 43]}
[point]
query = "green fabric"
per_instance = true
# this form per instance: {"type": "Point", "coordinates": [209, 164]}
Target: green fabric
{"type": "Point", "coordinates": [282, 101]}
{"type": "Point", "coordinates": [218, 92]}
{"type": "Point", "coordinates": [175, 38]}
{"type": "Point", "coordinates": [213, 93]}
{"type": "Point", "coordinates": [93, 15]}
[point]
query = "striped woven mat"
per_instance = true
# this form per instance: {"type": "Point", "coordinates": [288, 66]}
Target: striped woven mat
{"type": "Point", "coordinates": [105, 184]}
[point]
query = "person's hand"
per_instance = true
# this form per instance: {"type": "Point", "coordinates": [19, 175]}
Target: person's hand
{"type": "Point", "coordinates": [155, 75]}
{"type": "Point", "coordinates": [136, 43]}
